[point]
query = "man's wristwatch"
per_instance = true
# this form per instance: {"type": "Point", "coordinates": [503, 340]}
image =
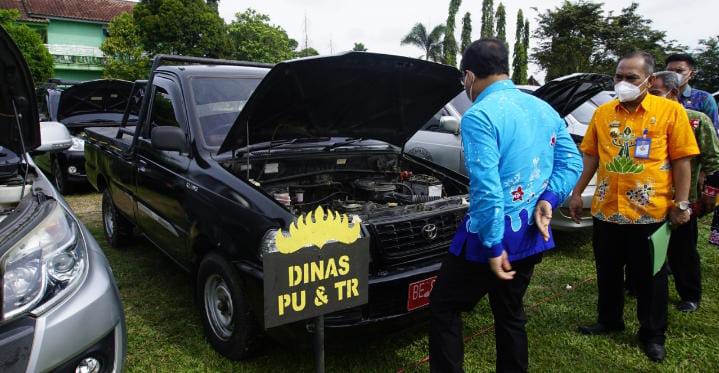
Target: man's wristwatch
{"type": "Point", "coordinates": [684, 206]}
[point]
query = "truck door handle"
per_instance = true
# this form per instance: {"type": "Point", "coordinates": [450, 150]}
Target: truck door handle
{"type": "Point", "coordinates": [141, 167]}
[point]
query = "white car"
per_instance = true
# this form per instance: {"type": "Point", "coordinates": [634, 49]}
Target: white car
{"type": "Point", "coordinates": [575, 97]}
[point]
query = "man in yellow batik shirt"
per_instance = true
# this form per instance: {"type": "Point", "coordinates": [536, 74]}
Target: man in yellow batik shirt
{"type": "Point", "coordinates": [641, 146]}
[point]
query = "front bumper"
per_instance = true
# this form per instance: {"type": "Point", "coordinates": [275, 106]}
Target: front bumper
{"type": "Point", "coordinates": [88, 323]}
{"type": "Point", "coordinates": [75, 159]}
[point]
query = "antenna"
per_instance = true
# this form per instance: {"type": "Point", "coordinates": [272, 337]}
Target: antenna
{"type": "Point", "coordinates": [307, 42]}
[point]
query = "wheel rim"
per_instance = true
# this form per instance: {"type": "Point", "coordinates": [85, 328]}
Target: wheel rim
{"type": "Point", "coordinates": [218, 307]}
{"type": "Point", "coordinates": [108, 218]}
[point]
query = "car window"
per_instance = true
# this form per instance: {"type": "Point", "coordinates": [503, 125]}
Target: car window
{"type": "Point", "coordinates": [461, 103]}
{"type": "Point", "coordinates": [584, 112]}
{"type": "Point", "coordinates": [163, 112]}
{"type": "Point", "coordinates": [218, 102]}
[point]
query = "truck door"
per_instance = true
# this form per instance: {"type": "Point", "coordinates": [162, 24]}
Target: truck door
{"type": "Point", "coordinates": [161, 185]}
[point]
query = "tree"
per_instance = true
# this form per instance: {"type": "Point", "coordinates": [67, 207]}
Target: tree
{"type": "Point", "coordinates": [501, 19]}
{"type": "Point", "coordinates": [213, 4]}
{"type": "Point", "coordinates": [519, 63]}
{"type": "Point", "coordinates": [707, 65]}
{"type": "Point", "coordinates": [183, 27]}
{"type": "Point", "coordinates": [307, 52]}
{"type": "Point", "coordinates": [359, 47]}
{"type": "Point", "coordinates": [430, 43]}
{"type": "Point", "coordinates": [487, 30]}
{"type": "Point", "coordinates": [449, 46]}
{"type": "Point", "coordinates": [124, 56]}
{"type": "Point", "coordinates": [39, 60]}
{"type": "Point", "coordinates": [466, 32]}
{"type": "Point", "coordinates": [579, 37]}
{"type": "Point", "coordinates": [253, 38]}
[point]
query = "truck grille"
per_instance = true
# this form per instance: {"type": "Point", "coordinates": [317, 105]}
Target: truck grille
{"type": "Point", "coordinates": [406, 241]}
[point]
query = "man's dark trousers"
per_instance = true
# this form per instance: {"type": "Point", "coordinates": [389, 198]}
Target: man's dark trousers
{"type": "Point", "coordinates": [617, 245]}
{"type": "Point", "coordinates": [685, 263]}
{"type": "Point", "coordinates": [460, 285]}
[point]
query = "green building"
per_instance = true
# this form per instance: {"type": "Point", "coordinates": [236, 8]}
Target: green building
{"type": "Point", "coordinates": [73, 31]}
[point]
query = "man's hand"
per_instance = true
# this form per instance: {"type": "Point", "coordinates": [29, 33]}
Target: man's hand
{"type": "Point", "coordinates": [501, 267]}
{"type": "Point", "coordinates": [542, 217]}
{"type": "Point", "coordinates": [678, 217]}
{"type": "Point", "coordinates": [576, 205]}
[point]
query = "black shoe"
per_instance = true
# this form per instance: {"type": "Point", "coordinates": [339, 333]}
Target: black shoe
{"type": "Point", "coordinates": [599, 328]}
{"type": "Point", "coordinates": [687, 307]}
{"type": "Point", "coordinates": [655, 352]}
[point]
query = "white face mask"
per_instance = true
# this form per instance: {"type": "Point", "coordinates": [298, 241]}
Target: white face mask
{"type": "Point", "coordinates": [627, 92]}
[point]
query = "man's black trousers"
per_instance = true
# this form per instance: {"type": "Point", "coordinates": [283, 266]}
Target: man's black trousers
{"type": "Point", "coordinates": [685, 263]}
{"type": "Point", "coordinates": [460, 285]}
{"type": "Point", "coordinates": [620, 245]}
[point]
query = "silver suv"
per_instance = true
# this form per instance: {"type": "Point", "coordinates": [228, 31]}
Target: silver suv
{"type": "Point", "coordinates": [575, 97]}
{"type": "Point", "coordinates": [59, 306]}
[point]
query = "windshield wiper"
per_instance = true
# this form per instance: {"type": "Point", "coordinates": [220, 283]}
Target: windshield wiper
{"type": "Point", "coordinates": [342, 143]}
{"type": "Point", "coordinates": [277, 143]}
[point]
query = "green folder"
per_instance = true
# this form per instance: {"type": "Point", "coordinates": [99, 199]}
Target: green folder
{"type": "Point", "coordinates": [659, 242]}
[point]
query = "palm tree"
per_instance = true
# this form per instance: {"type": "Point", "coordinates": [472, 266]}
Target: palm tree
{"type": "Point", "coordinates": [431, 44]}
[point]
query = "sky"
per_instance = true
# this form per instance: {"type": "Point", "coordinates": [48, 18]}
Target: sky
{"type": "Point", "coordinates": [335, 25]}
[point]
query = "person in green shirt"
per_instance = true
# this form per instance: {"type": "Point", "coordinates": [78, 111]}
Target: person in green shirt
{"type": "Point", "coordinates": [683, 255]}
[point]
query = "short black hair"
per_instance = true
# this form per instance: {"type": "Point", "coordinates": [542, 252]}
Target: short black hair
{"type": "Point", "coordinates": [680, 57]}
{"type": "Point", "coordinates": [649, 63]}
{"type": "Point", "coordinates": [485, 57]}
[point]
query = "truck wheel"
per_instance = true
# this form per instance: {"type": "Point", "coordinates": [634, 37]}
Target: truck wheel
{"type": "Point", "coordinates": [61, 183]}
{"type": "Point", "coordinates": [228, 323]}
{"type": "Point", "coordinates": [118, 230]}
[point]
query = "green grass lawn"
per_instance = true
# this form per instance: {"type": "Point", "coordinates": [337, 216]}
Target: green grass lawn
{"type": "Point", "coordinates": [165, 335]}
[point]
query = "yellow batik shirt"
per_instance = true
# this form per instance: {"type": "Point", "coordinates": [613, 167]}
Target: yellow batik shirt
{"type": "Point", "coordinates": [630, 189]}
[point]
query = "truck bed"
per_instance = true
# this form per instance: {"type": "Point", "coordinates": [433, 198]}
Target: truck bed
{"type": "Point", "coordinates": [108, 136]}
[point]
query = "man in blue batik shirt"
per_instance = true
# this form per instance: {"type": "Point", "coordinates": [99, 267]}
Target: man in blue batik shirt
{"type": "Point", "coordinates": [692, 98]}
{"type": "Point", "coordinates": [522, 164]}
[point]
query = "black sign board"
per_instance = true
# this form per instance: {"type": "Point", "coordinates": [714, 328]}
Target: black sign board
{"type": "Point", "coordinates": [315, 281]}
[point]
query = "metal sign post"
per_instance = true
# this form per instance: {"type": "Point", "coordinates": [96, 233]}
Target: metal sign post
{"type": "Point", "coordinates": [320, 344]}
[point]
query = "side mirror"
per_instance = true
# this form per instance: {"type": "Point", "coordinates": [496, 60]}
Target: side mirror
{"type": "Point", "coordinates": [169, 138]}
{"type": "Point", "coordinates": [450, 124]}
{"type": "Point", "coordinates": [54, 137]}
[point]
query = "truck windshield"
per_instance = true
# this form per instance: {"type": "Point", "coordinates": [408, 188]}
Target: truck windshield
{"type": "Point", "coordinates": [218, 102]}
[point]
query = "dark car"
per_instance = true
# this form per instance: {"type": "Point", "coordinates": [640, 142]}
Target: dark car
{"type": "Point", "coordinates": [225, 154]}
{"type": "Point", "coordinates": [94, 103]}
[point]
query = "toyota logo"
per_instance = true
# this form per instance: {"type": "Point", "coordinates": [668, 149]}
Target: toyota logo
{"type": "Point", "coordinates": [429, 232]}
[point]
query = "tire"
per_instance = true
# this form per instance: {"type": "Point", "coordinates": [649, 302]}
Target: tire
{"type": "Point", "coordinates": [226, 317]}
{"type": "Point", "coordinates": [58, 178]}
{"type": "Point", "coordinates": [118, 230]}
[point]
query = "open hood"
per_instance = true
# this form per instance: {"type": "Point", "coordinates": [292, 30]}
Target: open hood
{"type": "Point", "coordinates": [355, 94]}
{"type": "Point", "coordinates": [94, 97]}
{"type": "Point", "coordinates": [568, 92]}
{"type": "Point", "coordinates": [16, 87]}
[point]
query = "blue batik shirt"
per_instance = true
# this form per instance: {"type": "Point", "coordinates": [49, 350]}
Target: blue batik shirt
{"type": "Point", "coordinates": [696, 99]}
{"type": "Point", "coordinates": [517, 151]}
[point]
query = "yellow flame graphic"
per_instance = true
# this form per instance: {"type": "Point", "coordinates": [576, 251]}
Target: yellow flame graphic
{"type": "Point", "coordinates": [317, 228]}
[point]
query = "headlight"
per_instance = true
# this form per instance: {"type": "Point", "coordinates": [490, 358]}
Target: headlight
{"type": "Point", "coordinates": [46, 264]}
{"type": "Point", "coordinates": [267, 245]}
{"type": "Point", "coordinates": [78, 144]}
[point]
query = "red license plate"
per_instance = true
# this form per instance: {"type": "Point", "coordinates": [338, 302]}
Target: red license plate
{"type": "Point", "coordinates": [418, 293]}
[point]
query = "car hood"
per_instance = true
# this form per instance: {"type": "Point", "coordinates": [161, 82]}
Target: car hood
{"type": "Point", "coordinates": [94, 97]}
{"type": "Point", "coordinates": [16, 86]}
{"type": "Point", "coordinates": [355, 94]}
{"type": "Point", "coordinates": [568, 92]}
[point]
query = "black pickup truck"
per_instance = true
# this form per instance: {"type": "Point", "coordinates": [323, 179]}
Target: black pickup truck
{"type": "Point", "coordinates": [226, 153]}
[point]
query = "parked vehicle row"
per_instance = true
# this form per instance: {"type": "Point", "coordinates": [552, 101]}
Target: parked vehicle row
{"type": "Point", "coordinates": [60, 308]}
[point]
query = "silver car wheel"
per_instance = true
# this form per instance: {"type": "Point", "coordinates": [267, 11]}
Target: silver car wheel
{"type": "Point", "coordinates": [218, 307]}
